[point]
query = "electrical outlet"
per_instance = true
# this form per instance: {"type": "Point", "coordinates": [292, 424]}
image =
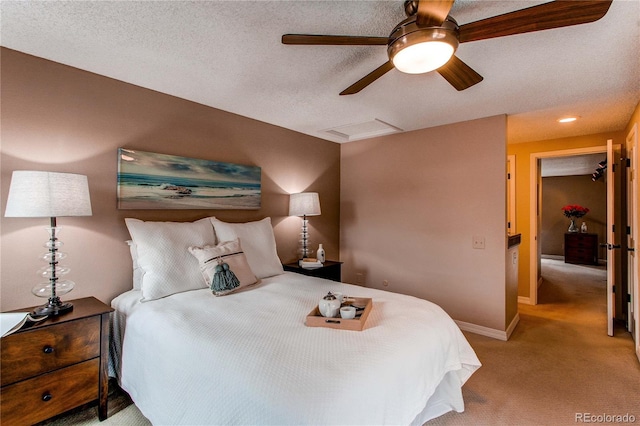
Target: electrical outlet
{"type": "Point", "coordinates": [385, 283]}
{"type": "Point", "coordinates": [478, 242]}
{"type": "Point", "coordinates": [360, 278]}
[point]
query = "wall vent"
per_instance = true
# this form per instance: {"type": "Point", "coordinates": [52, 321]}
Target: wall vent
{"type": "Point", "coordinates": [369, 129]}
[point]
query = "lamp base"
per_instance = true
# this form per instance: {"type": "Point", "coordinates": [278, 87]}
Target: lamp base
{"type": "Point", "coordinates": [54, 308]}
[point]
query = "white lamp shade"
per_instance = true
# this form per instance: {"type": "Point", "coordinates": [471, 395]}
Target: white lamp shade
{"type": "Point", "coordinates": [304, 204]}
{"type": "Point", "coordinates": [48, 194]}
{"type": "Point", "coordinates": [423, 57]}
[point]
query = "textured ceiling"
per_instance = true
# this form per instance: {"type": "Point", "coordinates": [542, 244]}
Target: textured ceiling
{"type": "Point", "coordinates": [228, 55]}
{"type": "Point", "coordinates": [574, 165]}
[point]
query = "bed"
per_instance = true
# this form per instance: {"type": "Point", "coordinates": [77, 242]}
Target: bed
{"type": "Point", "coordinates": [247, 358]}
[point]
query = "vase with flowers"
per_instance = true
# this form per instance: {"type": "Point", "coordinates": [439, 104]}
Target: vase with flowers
{"type": "Point", "coordinates": [574, 211]}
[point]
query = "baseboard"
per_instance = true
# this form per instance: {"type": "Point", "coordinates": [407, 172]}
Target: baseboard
{"type": "Point", "coordinates": [601, 262]}
{"type": "Point", "coordinates": [483, 331]}
{"type": "Point", "coordinates": [552, 256]}
{"type": "Point", "coordinates": [512, 326]}
{"type": "Point", "coordinates": [526, 300]}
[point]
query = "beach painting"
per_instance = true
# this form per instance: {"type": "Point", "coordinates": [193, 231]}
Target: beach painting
{"type": "Point", "coordinates": [147, 180]}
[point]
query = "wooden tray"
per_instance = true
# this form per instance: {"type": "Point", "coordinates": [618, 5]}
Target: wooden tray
{"type": "Point", "coordinates": [315, 319]}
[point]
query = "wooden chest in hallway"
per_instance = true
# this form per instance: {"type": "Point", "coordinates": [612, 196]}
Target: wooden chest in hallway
{"type": "Point", "coordinates": [581, 248]}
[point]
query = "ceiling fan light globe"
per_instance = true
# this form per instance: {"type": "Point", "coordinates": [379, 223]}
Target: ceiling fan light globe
{"type": "Point", "coordinates": [423, 57]}
{"type": "Point", "coordinates": [415, 50]}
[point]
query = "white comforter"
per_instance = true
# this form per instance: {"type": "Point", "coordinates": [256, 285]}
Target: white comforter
{"type": "Point", "coordinates": [247, 358]}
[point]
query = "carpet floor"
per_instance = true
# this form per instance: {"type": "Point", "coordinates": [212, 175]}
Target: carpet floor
{"type": "Point", "coordinates": [558, 368]}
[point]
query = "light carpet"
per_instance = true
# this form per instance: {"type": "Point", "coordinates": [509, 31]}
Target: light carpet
{"type": "Point", "coordinates": [559, 367]}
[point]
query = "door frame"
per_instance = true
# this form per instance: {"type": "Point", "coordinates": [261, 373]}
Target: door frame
{"type": "Point", "coordinates": [534, 192]}
{"type": "Point", "coordinates": [611, 235]}
{"type": "Point", "coordinates": [511, 194]}
{"type": "Point", "coordinates": [634, 208]}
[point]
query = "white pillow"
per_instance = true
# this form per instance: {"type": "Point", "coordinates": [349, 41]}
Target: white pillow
{"type": "Point", "coordinates": [230, 253]}
{"type": "Point", "coordinates": [258, 243]}
{"type": "Point", "coordinates": [163, 255]}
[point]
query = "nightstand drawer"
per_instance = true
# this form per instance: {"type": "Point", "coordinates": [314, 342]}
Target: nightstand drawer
{"type": "Point", "coordinates": [37, 399]}
{"type": "Point", "coordinates": [44, 349]}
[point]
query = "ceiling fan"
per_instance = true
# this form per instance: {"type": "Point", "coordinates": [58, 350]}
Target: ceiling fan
{"type": "Point", "coordinates": [429, 37]}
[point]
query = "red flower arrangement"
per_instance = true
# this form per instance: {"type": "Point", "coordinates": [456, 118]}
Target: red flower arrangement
{"type": "Point", "coordinates": [574, 210]}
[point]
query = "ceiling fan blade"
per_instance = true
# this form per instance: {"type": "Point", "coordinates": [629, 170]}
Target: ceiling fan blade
{"type": "Point", "coordinates": [432, 13]}
{"type": "Point", "coordinates": [368, 79]}
{"type": "Point", "coordinates": [334, 40]}
{"type": "Point", "coordinates": [536, 18]}
{"type": "Point", "coordinates": [458, 74]}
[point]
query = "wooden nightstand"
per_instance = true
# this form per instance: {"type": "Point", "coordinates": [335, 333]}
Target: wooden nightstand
{"type": "Point", "coordinates": [56, 365]}
{"type": "Point", "coordinates": [330, 270]}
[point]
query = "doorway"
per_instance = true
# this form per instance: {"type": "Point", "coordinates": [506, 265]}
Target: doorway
{"type": "Point", "coordinates": [573, 183]}
{"type": "Point", "coordinates": [535, 224]}
{"type": "Point", "coordinates": [615, 268]}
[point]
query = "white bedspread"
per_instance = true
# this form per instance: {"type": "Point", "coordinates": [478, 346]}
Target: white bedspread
{"type": "Point", "coordinates": [248, 359]}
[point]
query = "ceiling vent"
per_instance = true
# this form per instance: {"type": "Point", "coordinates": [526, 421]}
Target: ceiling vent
{"type": "Point", "coordinates": [369, 129]}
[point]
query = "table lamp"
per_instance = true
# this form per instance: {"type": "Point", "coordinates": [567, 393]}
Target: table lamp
{"type": "Point", "coordinates": [50, 194]}
{"type": "Point", "coordinates": [304, 204]}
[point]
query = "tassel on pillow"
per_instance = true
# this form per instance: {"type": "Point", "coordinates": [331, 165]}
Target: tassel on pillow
{"type": "Point", "coordinates": [224, 267]}
{"type": "Point", "coordinates": [224, 279]}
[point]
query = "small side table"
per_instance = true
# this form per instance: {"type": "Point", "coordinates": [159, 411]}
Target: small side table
{"type": "Point", "coordinates": [330, 270]}
{"type": "Point", "coordinates": [56, 365]}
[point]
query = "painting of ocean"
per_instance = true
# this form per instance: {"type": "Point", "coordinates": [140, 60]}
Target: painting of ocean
{"type": "Point", "coordinates": [147, 180]}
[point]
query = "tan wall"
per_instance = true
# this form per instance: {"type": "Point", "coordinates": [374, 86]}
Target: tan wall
{"type": "Point", "coordinates": [522, 152]}
{"type": "Point", "coordinates": [558, 191]}
{"type": "Point", "coordinates": [59, 118]}
{"type": "Point", "coordinates": [512, 260]}
{"type": "Point", "coordinates": [411, 204]}
{"type": "Point", "coordinates": [635, 120]}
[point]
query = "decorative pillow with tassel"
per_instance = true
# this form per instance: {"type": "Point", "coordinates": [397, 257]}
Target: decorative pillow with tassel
{"type": "Point", "coordinates": [224, 267]}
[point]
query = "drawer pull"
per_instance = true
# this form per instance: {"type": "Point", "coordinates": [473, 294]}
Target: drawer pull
{"type": "Point", "coordinates": [47, 397]}
{"type": "Point", "coordinates": [48, 349]}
